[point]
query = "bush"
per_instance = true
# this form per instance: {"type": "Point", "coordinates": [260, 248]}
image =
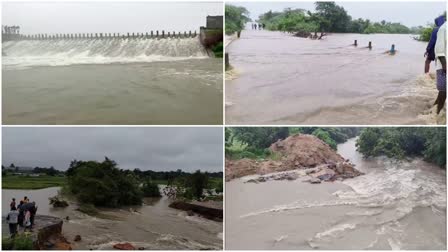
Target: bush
{"type": "Point", "coordinates": [57, 202]}
{"type": "Point", "coordinates": [220, 187]}
{"type": "Point", "coordinates": [192, 186]}
{"type": "Point", "coordinates": [429, 143]}
{"type": "Point", "coordinates": [425, 34]}
{"type": "Point", "coordinates": [260, 137]}
{"type": "Point", "coordinates": [150, 189]}
{"type": "Point", "coordinates": [325, 136]}
{"type": "Point", "coordinates": [218, 50]}
{"type": "Point", "coordinates": [197, 182]}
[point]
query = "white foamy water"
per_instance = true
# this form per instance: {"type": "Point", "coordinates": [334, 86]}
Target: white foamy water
{"type": "Point", "coordinates": [395, 205]}
{"type": "Point", "coordinates": [26, 53]}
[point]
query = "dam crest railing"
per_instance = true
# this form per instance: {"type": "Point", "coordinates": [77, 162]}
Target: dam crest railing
{"type": "Point", "coordinates": [147, 35]}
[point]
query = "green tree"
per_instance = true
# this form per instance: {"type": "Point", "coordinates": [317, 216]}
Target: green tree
{"type": "Point", "coordinates": [260, 137]}
{"type": "Point", "coordinates": [325, 136]}
{"type": "Point", "coordinates": [103, 184]}
{"type": "Point", "coordinates": [150, 189]}
{"type": "Point", "coordinates": [399, 143]}
{"type": "Point", "coordinates": [236, 18]}
{"type": "Point", "coordinates": [334, 18]}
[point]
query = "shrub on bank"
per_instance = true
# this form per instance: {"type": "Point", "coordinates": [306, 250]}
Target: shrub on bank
{"type": "Point", "coordinates": [218, 50]}
{"type": "Point", "coordinates": [103, 184]}
{"type": "Point", "coordinates": [150, 189]}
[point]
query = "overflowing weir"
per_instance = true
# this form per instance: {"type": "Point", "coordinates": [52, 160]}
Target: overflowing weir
{"type": "Point", "coordinates": [99, 51]}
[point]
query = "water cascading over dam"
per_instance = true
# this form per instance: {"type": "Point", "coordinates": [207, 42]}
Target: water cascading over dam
{"type": "Point", "coordinates": [97, 50]}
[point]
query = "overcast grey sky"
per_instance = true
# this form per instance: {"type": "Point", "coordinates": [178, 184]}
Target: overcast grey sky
{"type": "Point", "coordinates": [91, 17]}
{"type": "Point", "coordinates": [158, 149]}
{"type": "Point", "coordinates": [407, 13]}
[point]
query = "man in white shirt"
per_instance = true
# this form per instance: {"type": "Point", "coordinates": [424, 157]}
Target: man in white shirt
{"type": "Point", "coordinates": [440, 52]}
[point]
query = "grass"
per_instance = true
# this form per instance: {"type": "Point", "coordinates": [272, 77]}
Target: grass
{"type": "Point", "coordinates": [28, 182]}
{"type": "Point", "coordinates": [19, 242]}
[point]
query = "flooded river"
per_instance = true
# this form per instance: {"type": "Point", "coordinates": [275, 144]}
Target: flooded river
{"type": "Point", "coordinates": [282, 79]}
{"type": "Point", "coordinates": [395, 205]}
{"type": "Point", "coordinates": [152, 226]}
{"type": "Point", "coordinates": [115, 81]}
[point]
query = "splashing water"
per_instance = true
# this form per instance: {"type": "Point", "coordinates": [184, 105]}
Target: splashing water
{"type": "Point", "coordinates": [97, 51]}
{"type": "Point", "coordinates": [395, 205]}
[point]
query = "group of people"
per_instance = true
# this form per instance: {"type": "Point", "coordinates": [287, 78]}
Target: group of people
{"type": "Point", "coordinates": [256, 26]}
{"type": "Point", "coordinates": [21, 215]}
{"type": "Point", "coordinates": [436, 51]}
{"type": "Point", "coordinates": [11, 29]}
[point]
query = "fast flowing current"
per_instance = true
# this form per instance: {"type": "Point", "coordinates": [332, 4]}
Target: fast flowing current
{"type": "Point", "coordinates": [282, 79]}
{"type": "Point", "coordinates": [111, 81]}
{"type": "Point", "coordinates": [152, 226]}
{"type": "Point", "coordinates": [395, 205]}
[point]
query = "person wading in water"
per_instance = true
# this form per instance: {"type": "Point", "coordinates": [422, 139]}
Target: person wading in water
{"type": "Point", "coordinates": [429, 54]}
{"type": "Point", "coordinates": [440, 53]}
{"type": "Point", "coordinates": [13, 203]}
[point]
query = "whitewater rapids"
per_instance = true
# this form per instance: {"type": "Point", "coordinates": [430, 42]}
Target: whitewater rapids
{"type": "Point", "coordinates": [395, 205]}
{"type": "Point", "coordinates": [64, 52]}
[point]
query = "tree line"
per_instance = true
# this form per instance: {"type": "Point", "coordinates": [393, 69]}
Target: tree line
{"type": "Point", "coordinates": [399, 143]}
{"type": "Point", "coordinates": [105, 184]}
{"type": "Point", "coordinates": [327, 17]}
{"type": "Point", "coordinates": [253, 142]}
{"type": "Point", "coordinates": [143, 175]}
{"type": "Point", "coordinates": [393, 142]}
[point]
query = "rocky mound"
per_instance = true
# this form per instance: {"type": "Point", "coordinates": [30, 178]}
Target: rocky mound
{"type": "Point", "coordinates": [297, 152]}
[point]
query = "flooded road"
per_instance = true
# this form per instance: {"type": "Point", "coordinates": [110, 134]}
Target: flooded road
{"type": "Point", "coordinates": [282, 79]}
{"type": "Point", "coordinates": [116, 81]}
{"type": "Point", "coordinates": [152, 226]}
{"type": "Point", "coordinates": [395, 205]}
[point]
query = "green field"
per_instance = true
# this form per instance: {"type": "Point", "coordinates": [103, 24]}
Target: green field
{"type": "Point", "coordinates": [28, 182]}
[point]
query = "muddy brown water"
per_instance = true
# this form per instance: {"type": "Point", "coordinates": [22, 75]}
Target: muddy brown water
{"type": "Point", "coordinates": [395, 205]}
{"type": "Point", "coordinates": [152, 226]}
{"type": "Point", "coordinates": [282, 79]}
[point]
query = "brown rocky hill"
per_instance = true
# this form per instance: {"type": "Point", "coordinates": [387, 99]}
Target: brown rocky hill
{"type": "Point", "coordinates": [297, 152]}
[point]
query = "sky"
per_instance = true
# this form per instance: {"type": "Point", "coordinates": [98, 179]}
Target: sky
{"type": "Point", "coordinates": [407, 13]}
{"type": "Point", "coordinates": [149, 148]}
{"type": "Point", "coordinates": [107, 17]}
